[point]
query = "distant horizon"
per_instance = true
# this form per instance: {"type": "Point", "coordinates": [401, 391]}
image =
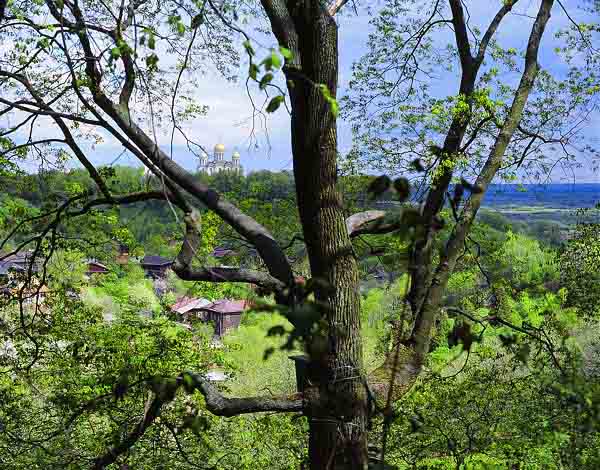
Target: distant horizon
{"type": "Point", "coordinates": [290, 170]}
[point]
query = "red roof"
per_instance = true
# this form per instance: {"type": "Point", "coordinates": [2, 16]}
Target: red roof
{"type": "Point", "coordinates": [226, 306]}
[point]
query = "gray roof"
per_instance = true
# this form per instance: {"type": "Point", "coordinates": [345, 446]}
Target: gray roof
{"type": "Point", "coordinates": [17, 262]}
{"type": "Point", "coordinates": [226, 306]}
{"type": "Point", "coordinates": [153, 260]}
{"type": "Point", "coordinates": [7, 266]}
{"type": "Point", "coordinates": [186, 304]}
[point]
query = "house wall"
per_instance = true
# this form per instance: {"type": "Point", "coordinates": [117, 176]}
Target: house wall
{"type": "Point", "coordinates": [96, 270]}
{"type": "Point", "coordinates": [231, 321]}
{"type": "Point", "coordinates": [223, 322]}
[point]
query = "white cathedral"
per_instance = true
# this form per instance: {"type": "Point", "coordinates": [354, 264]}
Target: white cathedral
{"type": "Point", "coordinates": [218, 162]}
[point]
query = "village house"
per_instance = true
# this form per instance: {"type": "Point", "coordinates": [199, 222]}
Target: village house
{"type": "Point", "coordinates": [8, 268]}
{"type": "Point", "coordinates": [156, 267]}
{"type": "Point", "coordinates": [224, 314]}
{"type": "Point", "coordinates": [94, 267]}
{"type": "Point", "coordinates": [17, 262]}
{"type": "Point", "coordinates": [122, 257]}
{"type": "Point", "coordinates": [223, 252]}
{"type": "Point", "coordinates": [188, 308]}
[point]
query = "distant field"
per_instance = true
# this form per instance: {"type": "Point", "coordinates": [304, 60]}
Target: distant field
{"type": "Point", "coordinates": [556, 203]}
{"type": "Point", "coordinates": [546, 198]}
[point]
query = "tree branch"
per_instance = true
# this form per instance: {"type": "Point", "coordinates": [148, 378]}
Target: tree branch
{"type": "Point", "coordinates": [220, 405]}
{"type": "Point", "coordinates": [493, 27]}
{"type": "Point", "coordinates": [336, 6]}
{"type": "Point", "coordinates": [69, 140]}
{"type": "Point", "coordinates": [219, 274]}
{"type": "Point", "coordinates": [152, 411]}
{"type": "Point", "coordinates": [246, 226]}
{"type": "Point", "coordinates": [461, 34]}
{"type": "Point", "coordinates": [189, 250]}
{"type": "Point", "coordinates": [425, 319]}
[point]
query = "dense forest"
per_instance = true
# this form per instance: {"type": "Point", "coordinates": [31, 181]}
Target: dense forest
{"type": "Point", "coordinates": [371, 308]}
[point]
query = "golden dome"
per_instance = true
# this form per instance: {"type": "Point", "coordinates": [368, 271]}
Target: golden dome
{"type": "Point", "coordinates": [219, 148]}
{"type": "Point", "coordinates": [236, 154]}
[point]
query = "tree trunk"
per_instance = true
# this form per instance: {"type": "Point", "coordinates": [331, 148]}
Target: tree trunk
{"type": "Point", "coordinates": [337, 410]}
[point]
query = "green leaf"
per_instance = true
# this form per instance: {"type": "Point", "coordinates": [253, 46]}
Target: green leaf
{"type": "Point", "coordinates": [325, 91]}
{"type": "Point", "coordinates": [189, 384]}
{"type": "Point", "coordinates": [335, 107]}
{"type": "Point", "coordinates": [249, 48]}
{"type": "Point", "coordinates": [275, 103]}
{"type": "Point", "coordinates": [272, 61]}
{"type": "Point", "coordinates": [151, 61]}
{"type": "Point", "coordinates": [402, 187]}
{"type": "Point", "coordinates": [275, 60]}
{"type": "Point", "coordinates": [333, 104]}
{"type": "Point", "coordinates": [43, 43]}
{"type": "Point", "coordinates": [286, 53]}
{"type": "Point", "coordinates": [277, 330]}
{"type": "Point", "coordinates": [265, 80]}
{"type": "Point", "coordinates": [379, 185]}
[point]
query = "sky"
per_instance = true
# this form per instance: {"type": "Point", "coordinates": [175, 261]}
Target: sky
{"type": "Point", "coordinates": [228, 120]}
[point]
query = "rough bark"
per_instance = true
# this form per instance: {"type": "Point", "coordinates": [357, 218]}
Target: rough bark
{"type": "Point", "coordinates": [221, 405]}
{"type": "Point", "coordinates": [338, 419]}
{"type": "Point", "coordinates": [336, 400]}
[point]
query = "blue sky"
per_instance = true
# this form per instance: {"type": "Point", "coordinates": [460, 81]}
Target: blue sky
{"type": "Point", "coordinates": [230, 105]}
{"type": "Point", "coordinates": [229, 117]}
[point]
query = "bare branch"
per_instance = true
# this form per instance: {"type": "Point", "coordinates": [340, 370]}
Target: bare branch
{"type": "Point", "coordinates": [336, 6]}
{"type": "Point", "coordinates": [68, 136]}
{"type": "Point", "coordinates": [220, 405]}
{"type": "Point", "coordinates": [219, 274]}
{"type": "Point", "coordinates": [373, 222]}
{"type": "Point", "coordinates": [493, 27]}
{"type": "Point", "coordinates": [461, 34]}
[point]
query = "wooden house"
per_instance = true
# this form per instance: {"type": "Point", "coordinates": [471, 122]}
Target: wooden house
{"type": "Point", "coordinates": [189, 308]}
{"type": "Point", "coordinates": [18, 262]}
{"type": "Point", "coordinates": [122, 254]}
{"type": "Point", "coordinates": [94, 267]}
{"type": "Point", "coordinates": [224, 314]}
{"type": "Point", "coordinates": [7, 268]}
{"type": "Point", "coordinates": [156, 267]}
